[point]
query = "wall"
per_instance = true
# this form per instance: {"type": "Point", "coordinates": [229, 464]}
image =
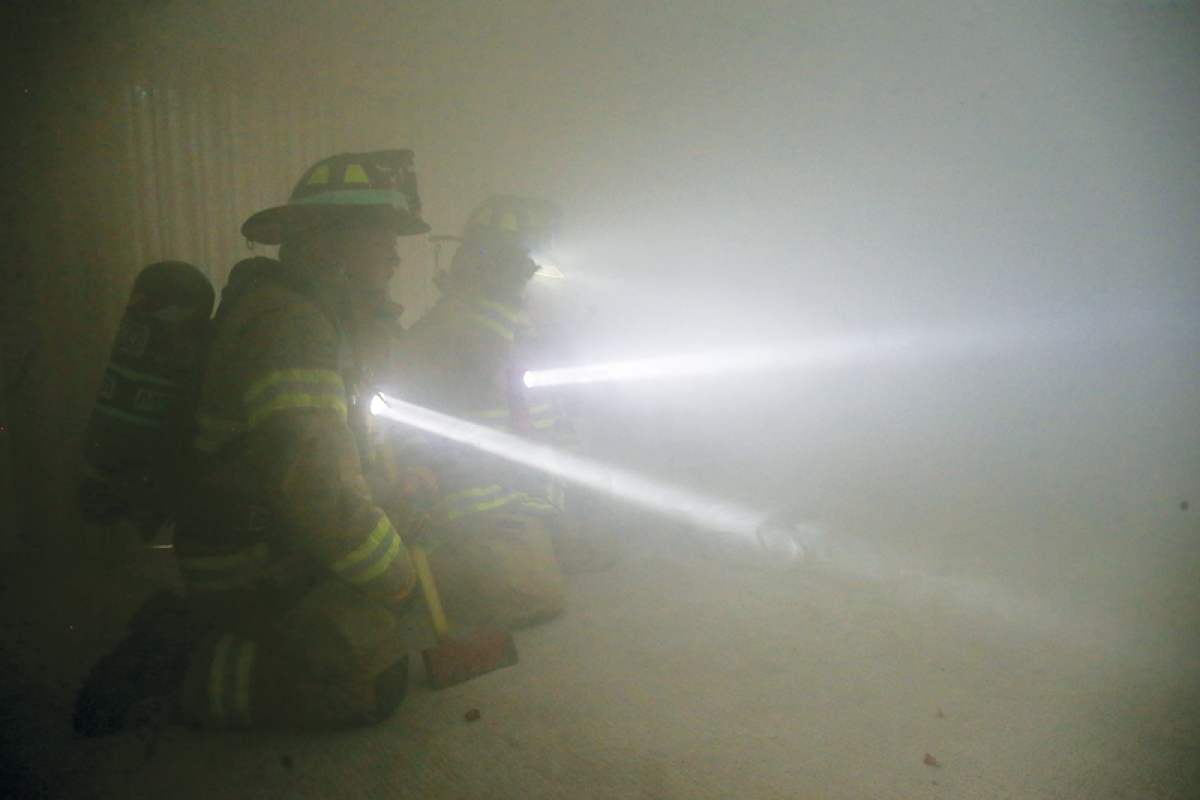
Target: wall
{"type": "Point", "coordinates": [139, 144]}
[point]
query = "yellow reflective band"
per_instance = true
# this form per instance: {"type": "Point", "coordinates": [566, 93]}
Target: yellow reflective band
{"type": "Point", "coordinates": [475, 492]}
{"type": "Point", "coordinates": [499, 308]}
{"type": "Point", "coordinates": [538, 503]}
{"type": "Point", "coordinates": [216, 677]}
{"type": "Point", "coordinates": [381, 567]}
{"type": "Point", "coordinates": [294, 388]}
{"type": "Point", "coordinates": [494, 317]}
{"type": "Point", "coordinates": [366, 548]}
{"type": "Point", "coordinates": [320, 176]}
{"type": "Point", "coordinates": [462, 510]}
{"type": "Point", "coordinates": [286, 401]}
{"type": "Point", "coordinates": [241, 692]}
{"type": "Point", "coordinates": [355, 174]}
{"type": "Point", "coordinates": [317, 376]}
{"type": "Point", "coordinates": [491, 324]}
{"type": "Point", "coordinates": [543, 415]}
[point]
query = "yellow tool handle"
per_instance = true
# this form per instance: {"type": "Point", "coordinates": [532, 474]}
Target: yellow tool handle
{"type": "Point", "coordinates": [437, 615]}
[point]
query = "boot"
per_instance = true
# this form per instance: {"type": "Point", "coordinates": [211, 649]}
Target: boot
{"type": "Point", "coordinates": [144, 671]}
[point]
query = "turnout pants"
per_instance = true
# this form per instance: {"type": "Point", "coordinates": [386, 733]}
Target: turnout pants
{"type": "Point", "coordinates": [320, 655]}
{"type": "Point", "coordinates": [496, 568]}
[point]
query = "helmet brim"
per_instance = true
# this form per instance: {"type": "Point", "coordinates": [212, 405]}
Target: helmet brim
{"type": "Point", "coordinates": [270, 225]}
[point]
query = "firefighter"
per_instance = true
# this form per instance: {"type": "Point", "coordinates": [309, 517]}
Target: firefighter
{"type": "Point", "coordinates": [583, 536]}
{"type": "Point", "coordinates": [492, 529]}
{"type": "Point", "coordinates": [294, 575]}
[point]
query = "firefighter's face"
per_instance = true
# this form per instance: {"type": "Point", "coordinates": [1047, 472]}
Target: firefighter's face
{"type": "Point", "coordinates": [369, 258]}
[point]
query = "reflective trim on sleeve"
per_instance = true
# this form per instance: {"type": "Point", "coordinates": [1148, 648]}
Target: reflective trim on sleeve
{"type": "Point", "coordinates": [494, 316]}
{"type": "Point", "coordinates": [472, 501]}
{"type": "Point", "coordinates": [294, 388]}
{"type": "Point", "coordinates": [371, 558]}
{"type": "Point", "coordinates": [544, 415]}
{"type": "Point", "coordinates": [537, 503]}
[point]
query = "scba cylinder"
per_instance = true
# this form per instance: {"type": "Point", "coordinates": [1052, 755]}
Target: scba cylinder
{"type": "Point", "coordinates": [150, 382]}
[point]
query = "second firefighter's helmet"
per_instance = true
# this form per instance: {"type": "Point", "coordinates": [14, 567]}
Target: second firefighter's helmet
{"type": "Point", "coordinates": [526, 222]}
{"type": "Point", "coordinates": [380, 184]}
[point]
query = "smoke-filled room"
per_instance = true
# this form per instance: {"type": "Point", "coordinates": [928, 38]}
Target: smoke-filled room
{"type": "Point", "coordinates": [617, 400]}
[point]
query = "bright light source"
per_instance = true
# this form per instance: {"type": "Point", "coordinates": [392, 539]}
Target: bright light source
{"type": "Point", "coordinates": [921, 343]}
{"type": "Point", "coordinates": [747, 359]}
{"type": "Point", "coordinates": [672, 501]}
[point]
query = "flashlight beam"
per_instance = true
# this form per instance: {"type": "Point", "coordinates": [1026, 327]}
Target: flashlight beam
{"type": "Point", "coordinates": [730, 360]}
{"type": "Point", "coordinates": [667, 499]}
{"type": "Point", "coordinates": [934, 342]}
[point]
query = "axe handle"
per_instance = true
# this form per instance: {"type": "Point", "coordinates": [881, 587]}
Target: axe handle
{"type": "Point", "coordinates": [437, 616]}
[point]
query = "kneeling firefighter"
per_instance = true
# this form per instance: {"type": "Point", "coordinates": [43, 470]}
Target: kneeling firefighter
{"type": "Point", "coordinates": [491, 535]}
{"type": "Point", "coordinates": [293, 574]}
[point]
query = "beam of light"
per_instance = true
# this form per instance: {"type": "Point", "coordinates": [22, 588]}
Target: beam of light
{"type": "Point", "coordinates": [781, 542]}
{"type": "Point", "coordinates": [1097, 327]}
{"type": "Point", "coordinates": [714, 514]}
{"type": "Point", "coordinates": [724, 361]}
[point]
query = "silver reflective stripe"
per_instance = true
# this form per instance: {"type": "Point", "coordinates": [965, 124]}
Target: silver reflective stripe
{"type": "Point", "coordinates": [229, 681]}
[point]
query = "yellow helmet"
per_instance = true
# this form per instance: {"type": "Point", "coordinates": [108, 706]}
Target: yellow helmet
{"type": "Point", "coordinates": [530, 223]}
{"type": "Point", "coordinates": [382, 184]}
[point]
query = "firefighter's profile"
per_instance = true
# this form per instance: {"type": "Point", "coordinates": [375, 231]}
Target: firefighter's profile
{"type": "Point", "coordinates": [293, 574]}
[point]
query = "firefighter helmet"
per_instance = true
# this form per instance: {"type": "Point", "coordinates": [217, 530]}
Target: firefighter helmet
{"type": "Point", "coordinates": [527, 222]}
{"type": "Point", "coordinates": [382, 183]}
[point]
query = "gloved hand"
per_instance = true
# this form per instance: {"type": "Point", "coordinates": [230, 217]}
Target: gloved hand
{"type": "Point", "coordinates": [412, 501]}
